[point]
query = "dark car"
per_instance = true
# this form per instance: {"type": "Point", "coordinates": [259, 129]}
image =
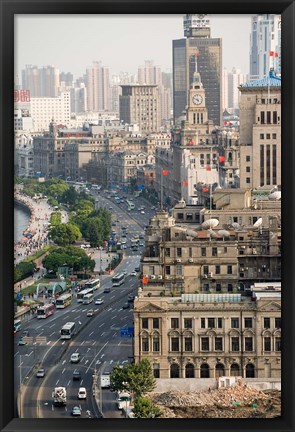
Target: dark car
{"type": "Point", "coordinates": [107, 290]}
{"type": "Point", "coordinates": [21, 342]}
{"type": "Point", "coordinates": [25, 333]}
{"type": "Point", "coordinates": [126, 306]}
{"type": "Point", "coordinates": [131, 298]}
{"type": "Point", "coordinates": [76, 375]}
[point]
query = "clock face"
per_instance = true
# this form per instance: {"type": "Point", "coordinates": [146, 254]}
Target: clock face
{"type": "Point", "coordinates": [197, 99]}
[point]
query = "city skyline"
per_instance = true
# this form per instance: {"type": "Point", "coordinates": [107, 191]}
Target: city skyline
{"type": "Point", "coordinates": [100, 41]}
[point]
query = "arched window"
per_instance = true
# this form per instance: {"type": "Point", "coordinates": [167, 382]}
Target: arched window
{"type": "Point", "coordinates": [174, 371]}
{"type": "Point", "coordinates": [235, 369]}
{"type": "Point", "coordinates": [189, 371]}
{"type": "Point", "coordinates": [205, 370]}
{"type": "Point", "coordinates": [219, 370]}
{"type": "Point", "coordinates": [250, 371]}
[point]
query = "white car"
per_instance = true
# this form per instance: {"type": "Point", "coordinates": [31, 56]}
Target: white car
{"type": "Point", "coordinates": [142, 212]}
{"type": "Point", "coordinates": [82, 394]}
{"type": "Point", "coordinates": [75, 358]}
{"type": "Point", "coordinates": [133, 273]}
{"type": "Point", "coordinates": [98, 301]}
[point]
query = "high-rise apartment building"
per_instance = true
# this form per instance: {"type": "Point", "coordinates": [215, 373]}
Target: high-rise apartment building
{"type": "Point", "coordinates": [197, 43]}
{"type": "Point", "coordinates": [139, 104]}
{"type": "Point", "coordinates": [265, 39]}
{"type": "Point", "coordinates": [230, 86]}
{"type": "Point", "coordinates": [260, 132]}
{"type": "Point", "coordinates": [98, 87]}
{"type": "Point", "coordinates": [42, 82]}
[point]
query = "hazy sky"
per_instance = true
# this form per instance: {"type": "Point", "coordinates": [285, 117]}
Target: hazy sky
{"type": "Point", "coordinates": [121, 42]}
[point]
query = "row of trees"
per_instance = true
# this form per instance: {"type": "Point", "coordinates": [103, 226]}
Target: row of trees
{"type": "Point", "coordinates": [137, 379]}
{"type": "Point", "coordinates": [70, 256]}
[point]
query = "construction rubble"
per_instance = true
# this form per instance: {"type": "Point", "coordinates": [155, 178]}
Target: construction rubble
{"type": "Point", "coordinates": [230, 402]}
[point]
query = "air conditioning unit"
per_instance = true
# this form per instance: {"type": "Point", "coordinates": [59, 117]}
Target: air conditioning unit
{"type": "Point", "coordinates": [190, 260]}
{"type": "Point", "coordinates": [254, 252]}
{"type": "Point", "coordinates": [153, 277]}
{"type": "Point", "coordinates": [210, 274]}
{"type": "Point", "coordinates": [160, 277]}
{"type": "Point", "coordinates": [178, 260]}
{"type": "Point", "coordinates": [168, 277]}
{"type": "Point", "coordinates": [205, 276]}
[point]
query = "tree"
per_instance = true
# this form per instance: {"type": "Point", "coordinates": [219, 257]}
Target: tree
{"type": "Point", "coordinates": [65, 234]}
{"type": "Point", "coordinates": [72, 256]}
{"type": "Point", "coordinates": [145, 408]}
{"type": "Point", "coordinates": [136, 378]}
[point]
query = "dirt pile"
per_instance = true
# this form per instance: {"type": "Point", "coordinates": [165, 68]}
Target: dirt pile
{"type": "Point", "coordinates": [230, 402]}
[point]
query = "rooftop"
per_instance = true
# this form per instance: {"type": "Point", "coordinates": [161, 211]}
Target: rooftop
{"type": "Point", "coordinates": [269, 81]}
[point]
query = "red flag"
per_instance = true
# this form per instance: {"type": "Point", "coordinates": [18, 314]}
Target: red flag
{"type": "Point", "coordinates": [225, 123]}
{"type": "Point", "coordinates": [165, 172]}
{"type": "Point", "coordinates": [145, 280]}
{"type": "Point", "coordinates": [276, 54]}
{"type": "Point", "coordinates": [208, 168]}
{"type": "Point", "coordinates": [271, 53]}
{"type": "Point", "coordinates": [221, 158]}
{"type": "Point", "coordinates": [205, 189]}
{"type": "Point", "coordinates": [191, 142]}
{"type": "Point", "coordinates": [197, 54]}
{"type": "Point", "coordinates": [185, 183]}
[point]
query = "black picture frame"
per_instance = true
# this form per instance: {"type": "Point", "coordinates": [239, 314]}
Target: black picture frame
{"type": "Point", "coordinates": [8, 422]}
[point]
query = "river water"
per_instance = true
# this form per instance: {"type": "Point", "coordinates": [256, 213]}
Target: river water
{"type": "Point", "coordinates": [21, 221]}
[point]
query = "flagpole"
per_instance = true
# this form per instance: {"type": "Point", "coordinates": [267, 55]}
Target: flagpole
{"type": "Point", "coordinates": [161, 186]}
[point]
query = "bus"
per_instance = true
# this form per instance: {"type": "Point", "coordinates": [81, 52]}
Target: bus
{"type": "Point", "coordinates": [45, 311]}
{"type": "Point", "coordinates": [131, 205]}
{"type": "Point", "coordinates": [118, 280]}
{"type": "Point", "coordinates": [82, 293]}
{"type": "Point", "coordinates": [63, 301]}
{"type": "Point", "coordinates": [88, 298]}
{"type": "Point", "coordinates": [92, 283]}
{"type": "Point", "coordinates": [67, 331]}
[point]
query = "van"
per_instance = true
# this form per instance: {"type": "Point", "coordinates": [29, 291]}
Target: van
{"type": "Point", "coordinates": [105, 380]}
{"type": "Point", "coordinates": [17, 325]}
{"type": "Point", "coordinates": [82, 393]}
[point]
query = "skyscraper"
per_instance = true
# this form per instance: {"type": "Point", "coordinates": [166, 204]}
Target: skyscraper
{"type": "Point", "coordinates": [265, 39]}
{"type": "Point", "coordinates": [197, 42]}
{"type": "Point", "coordinates": [230, 83]}
{"type": "Point", "coordinates": [98, 87]}
{"type": "Point", "coordinates": [42, 82]}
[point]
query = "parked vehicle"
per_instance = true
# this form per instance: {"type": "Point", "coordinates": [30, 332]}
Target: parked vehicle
{"type": "Point", "coordinates": [105, 380]}
{"type": "Point", "coordinates": [59, 396]}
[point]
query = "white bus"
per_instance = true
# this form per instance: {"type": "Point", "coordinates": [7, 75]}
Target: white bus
{"type": "Point", "coordinates": [67, 331]}
{"type": "Point", "coordinates": [63, 301]}
{"type": "Point", "coordinates": [45, 311]}
{"type": "Point", "coordinates": [118, 280]}
{"type": "Point", "coordinates": [131, 205]}
{"type": "Point", "coordinates": [82, 293]}
{"type": "Point", "coordinates": [92, 283]}
{"type": "Point", "coordinates": [88, 298]}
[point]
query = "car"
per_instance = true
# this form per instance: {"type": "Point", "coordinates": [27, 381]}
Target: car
{"type": "Point", "coordinates": [124, 235]}
{"type": "Point", "coordinates": [124, 271]}
{"type": "Point", "coordinates": [126, 306]}
{"type": "Point", "coordinates": [123, 242]}
{"type": "Point", "coordinates": [40, 373]}
{"type": "Point", "coordinates": [75, 357]}
{"type": "Point", "coordinates": [25, 333]}
{"type": "Point", "coordinates": [21, 342]}
{"type": "Point", "coordinates": [131, 298]}
{"type": "Point", "coordinates": [141, 236]}
{"type": "Point", "coordinates": [76, 411]}
{"type": "Point", "coordinates": [133, 273]}
{"type": "Point", "coordinates": [137, 269]}
{"type": "Point", "coordinates": [107, 290]}
{"type": "Point", "coordinates": [99, 301]}
{"type": "Point", "coordinates": [142, 212]}
{"type": "Point", "coordinates": [124, 246]}
{"type": "Point", "coordinates": [141, 244]}
{"type": "Point", "coordinates": [90, 312]}
{"type": "Point", "coordinates": [82, 394]}
{"type": "Point", "coordinates": [76, 375]}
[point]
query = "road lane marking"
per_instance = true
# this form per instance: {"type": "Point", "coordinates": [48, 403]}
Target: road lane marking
{"type": "Point", "coordinates": [96, 356]}
{"type": "Point", "coordinates": [102, 333]}
{"type": "Point", "coordinates": [112, 297]}
{"type": "Point", "coordinates": [101, 325]}
{"type": "Point", "coordinates": [57, 382]}
{"type": "Point", "coordinates": [63, 370]}
{"type": "Point", "coordinates": [69, 383]}
{"type": "Point", "coordinates": [63, 342]}
{"type": "Point", "coordinates": [52, 334]}
{"type": "Point", "coordinates": [63, 362]}
{"type": "Point", "coordinates": [113, 317]}
{"type": "Point", "coordinates": [91, 333]}
{"type": "Point", "coordinates": [16, 354]}
{"type": "Point", "coordinates": [94, 343]}
{"type": "Point", "coordinates": [28, 355]}
{"type": "Point", "coordinates": [40, 333]}
{"type": "Point", "coordinates": [52, 325]}
{"type": "Point", "coordinates": [48, 342]}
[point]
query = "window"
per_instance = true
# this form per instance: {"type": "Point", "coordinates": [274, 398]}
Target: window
{"type": "Point", "coordinates": [203, 323]}
{"type": "Point", "coordinates": [156, 323]}
{"type": "Point", "coordinates": [167, 252]}
{"type": "Point", "coordinates": [175, 344]}
{"type": "Point", "coordinates": [179, 252]}
{"type": "Point", "coordinates": [219, 322]}
{"type": "Point", "coordinates": [218, 287]}
{"type": "Point", "coordinates": [229, 269]}
{"type": "Point", "coordinates": [174, 323]}
{"type": "Point", "coordinates": [261, 136]}
{"type": "Point", "coordinates": [179, 269]}
{"type": "Point", "coordinates": [188, 323]}
{"type": "Point", "coordinates": [156, 369]}
{"type": "Point", "coordinates": [266, 322]}
{"type": "Point", "coordinates": [248, 322]}
{"type": "Point", "coordinates": [235, 323]}
{"type": "Point", "coordinates": [211, 322]}
{"type": "Point", "coordinates": [205, 287]}
{"type": "Point", "coordinates": [156, 344]}
{"type": "Point", "coordinates": [206, 270]}
{"type": "Point", "coordinates": [248, 180]}
{"type": "Point", "coordinates": [214, 251]}
{"type": "Point", "coordinates": [167, 269]}
{"type": "Point", "coordinates": [188, 344]}
{"type": "Point", "coordinates": [277, 344]}
{"type": "Point", "coordinates": [268, 136]}
{"type": "Point", "coordinates": [267, 344]}
{"type": "Point", "coordinates": [217, 269]}
{"type": "Point", "coordinates": [247, 158]}
{"type": "Point", "coordinates": [145, 344]}
{"type": "Point", "coordinates": [205, 344]}
{"type": "Point", "coordinates": [274, 136]}
{"type": "Point", "coordinates": [229, 287]}
{"type": "Point", "coordinates": [248, 344]}
{"type": "Point", "coordinates": [218, 344]}
{"type": "Point", "coordinates": [145, 323]}
{"type": "Point", "coordinates": [277, 322]}
{"type": "Point", "coordinates": [248, 169]}
{"type": "Point", "coordinates": [203, 252]}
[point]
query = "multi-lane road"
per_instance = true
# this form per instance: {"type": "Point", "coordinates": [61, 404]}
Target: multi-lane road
{"type": "Point", "coordinates": [97, 338]}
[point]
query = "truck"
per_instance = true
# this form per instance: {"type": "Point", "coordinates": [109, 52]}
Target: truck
{"type": "Point", "coordinates": [105, 380]}
{"type": "Point", "coordinates": [59, 396]}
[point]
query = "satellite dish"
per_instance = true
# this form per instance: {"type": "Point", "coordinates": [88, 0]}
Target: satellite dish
{"type": "Point", "coordinates": [224, 233]}
{"type": "Point", "coordinates": [236, 226]}
{"type": "Point", "coordinates": [212, 233]}
{"type": "Point", "coordinates": [258, 223]}
{"type": "Point", "coordinates": [275, 195]}
{"type": "Point", "coordinates": [210, 223]}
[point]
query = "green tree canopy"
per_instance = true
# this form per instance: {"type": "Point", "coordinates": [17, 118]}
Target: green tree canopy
{"type": "Point", "coordinates": [136, 378]}
{"type": "Point", "coordinates": [72, 256]}
{"type": "Point", "coordinates": [145, 408]}
{"type": "Point", "coordinates": [65, 234]}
